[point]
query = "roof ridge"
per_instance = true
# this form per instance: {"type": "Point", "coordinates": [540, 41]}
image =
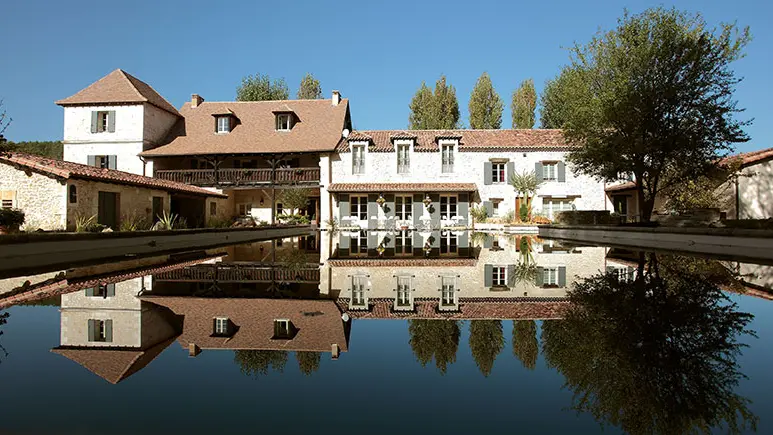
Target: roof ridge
{"type": "Point", "coordinates": [272, 101]}
{"type": "Point", "coordinates": [128, 77]}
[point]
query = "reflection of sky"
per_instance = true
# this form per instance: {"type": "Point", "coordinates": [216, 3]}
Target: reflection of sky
{"type": "Point", "coordinates": [377, 387]}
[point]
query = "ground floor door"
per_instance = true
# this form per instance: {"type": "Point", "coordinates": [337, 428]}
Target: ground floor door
{"type": "Point", "coordinates": [311, 208]}
{"type": "Point", "coordinates": [107, 211]}
{"type": "Point", "coordinates": [620, 203]}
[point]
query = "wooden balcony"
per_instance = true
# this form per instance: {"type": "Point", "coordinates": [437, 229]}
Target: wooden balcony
{"type": "Point", "coordinates": [226, 273]}
{"type": "Point", "coordinates": [240, 176]}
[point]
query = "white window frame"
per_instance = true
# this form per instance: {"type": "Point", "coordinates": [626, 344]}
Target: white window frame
{"type": "Point", "coordinates": [361, 209]}
{"type": "Point", "coordinates": [549, 205]}
{"type": "Point", "coordinates": [403, 151]}
{"type": "Point", "coordinates": [550, 276]}
{"type": "Point", "coordinates": [448, 292]}
{"type": "Point", "coordinates": [499, 276]}
{"type": "Point", "coordinates": [447, 155]}
{"type": "Point", "coordinates": [406, 243]}
{"type": "Point", "coordinates": [103, 121]}
{"type": "Point", "coordinates": [447, 213]}
{"type": "Point", "coordinates": [223, 124]}
{"type": "Point", "coordinates": [498, 172]}
{"type": "Point", "coordinates": [496, 209]}
{"type": "Point", "coordinates": [247, 209]}
{"type": "Point", "coordinates": [285, 326]}
{"type": "Point", "coordinates": [221, 325]}
{"type": "Point", "coordinates": [403, 207]}
{"type": "Point", "coordinates": [403, 298]}
{"type": "Point", "coordinates": [550, 171]}
{"type": "Point", "coordinates": [283, 122]}
{"type": "Point", "coordinates": [358, 157]}
{"type": "Point", "coordinates": [359, 288]}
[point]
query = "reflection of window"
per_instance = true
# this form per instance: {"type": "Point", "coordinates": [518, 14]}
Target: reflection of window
{"type": "Point", "coordinates": [403, 291]}
{"type": "Point", "coordinates": [448, 291]}
{"type": "Point", "coordinates": [358, 290]}
{"type": "Point", "coordinates": [101, 290]}
{"type": "Point", "coordinates": [221, 326]}
{"type": "Point", "coordinates": [359, 243]}
{"type": "Point", "coordinates": [359, 207]}
{"type": "Point", "coordinates": [283, 329]}
{"type": "Point", "coordinates": [449, 243]}
{"type": "Point", "coordinates": [499, 278]}
{"type": "Point", "coordinates": [498, 172]}
{"type": "Point", "coordinates": [358, 159]}
{"type": "Point", "coordinates": [447, 206]}
{"type": "Point", "coordinates": [100, 330]}
{"type": "Point", "coordinates": [279, 208]}
{"type": "Point", "coordinates": [550, 276]}
{"type": "Point", "coordinates": [403, 243]}
{"type": "Point", "coordinates": [403, 206]}
{"type": "Point", "coordinates": [550, 171]}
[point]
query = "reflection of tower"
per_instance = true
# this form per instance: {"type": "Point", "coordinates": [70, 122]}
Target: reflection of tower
{"type": "Point", "coordinates": [111, 332]}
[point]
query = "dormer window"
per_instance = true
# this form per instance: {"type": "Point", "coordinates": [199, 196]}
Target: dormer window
{"type": "Point", "coordinates": [283, 121]}
{"type": "Point", "coordinates": [284, 329]}
{"type": "Point", "coordinates": [223, 124]}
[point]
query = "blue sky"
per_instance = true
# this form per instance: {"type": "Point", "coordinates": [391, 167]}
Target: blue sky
{"type": "Point", "coordinates": [375, 53]}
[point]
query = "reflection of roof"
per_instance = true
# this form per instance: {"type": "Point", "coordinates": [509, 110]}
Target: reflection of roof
{"type": "Point", "coordinates": [119, 87]}
{"type": "Point", "coordinates": [319, 128]}
{"type": "Point", "coordinates": [625, 186]}
{"type": "Point", "coordinates": [67, 170]}
{"type": "Point", "coordinates": [402, 187]}
{"type": "Point", "coordinates": [469, 140]}
{"type": "Point", "coordinates": [112, 364]}
{"type": "Point", "coordinates": [403, 262]}
{"type": "Point", "coordinates": [318, 322]}
{"type": "Point", "coordinates": [469, 308]}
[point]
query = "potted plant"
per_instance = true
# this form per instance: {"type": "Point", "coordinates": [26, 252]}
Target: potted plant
{"type": "Point", "coordinates": [10, 220]}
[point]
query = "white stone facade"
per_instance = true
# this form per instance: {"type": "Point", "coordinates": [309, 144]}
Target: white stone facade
{"type": "Point", "coordinates": [755, 191]}
{"type": "Point", "coordinates": [43, 199]}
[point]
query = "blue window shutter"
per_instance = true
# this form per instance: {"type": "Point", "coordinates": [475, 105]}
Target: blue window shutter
{"type": "Point", "coordinates": [538, 171]}
{"type": "Point", "coordinates": [418, 208]}
{"type": "Point", "coordinates": [488, 275]}
{"type": "Point", "coordinates": [511, 275]}
{"type": "Point", "coordinates": [90, 291]}
{"type": "Point", "coordinates": [109, 331]}
{"type": "Point", "coordinates": [561, 172]}
{"type": "Point", "coordinates": [562, 276]}
{"type": "Point", "coordinates": [92, 160]}
{"type": "Point", "coordinates": [510, 171]}
{"type": "Point", "coordinates": [343, 206]}
{"type": "Point", "coordinates": [94, 121]}
{"type": "Point", "coordinates": [463, 208]}
{"type": "Point", "coordinates": [112, 162]}
{"type": "Point", "coordinates": [489, 208]}
{"type": "Point", "coordinates": [488, 240]}
{"type": "Point", "coordinates": [111, 121]}
{"type": "Point", "coordinates": [434, 211]}
{"type": "Point", "coordinates": [372, 211]}
{"type": "Point", "coordinates": [538, 279]}
{"type": "Point", "coordinates": [111, 289]}
{"type": "Point", "coordinates": [487, 168]}
{"type": "Point", "coordinates": [92, 329]}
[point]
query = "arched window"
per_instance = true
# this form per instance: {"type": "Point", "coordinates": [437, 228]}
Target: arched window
{"type": "Point", "coordinates": [73, 194]}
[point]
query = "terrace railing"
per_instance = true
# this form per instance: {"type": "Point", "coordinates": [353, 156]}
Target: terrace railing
{"type": "Point", "coordinates": [240, 176]}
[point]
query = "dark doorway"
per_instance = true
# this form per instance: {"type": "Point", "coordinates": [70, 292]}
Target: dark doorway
{"type": "Point", "coordinates": [107, 211]}
{"type": "Point", "coordinates": [311, 209]}
{"type": "Point", "coordinates": [158, 207]}
{"type": "Point", "coordinates": [620, 203]}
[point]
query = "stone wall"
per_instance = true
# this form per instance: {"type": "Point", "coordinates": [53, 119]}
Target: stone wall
{"type": "Point", "coordinates": [137, 201]}
{"type": "Point", "coordinates": [755, 188]}
{"type": "Point", "coordinates": [42, 198]}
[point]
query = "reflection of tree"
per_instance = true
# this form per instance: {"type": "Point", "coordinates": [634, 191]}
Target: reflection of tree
{"type": "Point", "coordinates": [3, 321]}
{"type": "Point", "coordinates": [308, 361]}
{"type": "Point", "coordinates": [655, 355]}
{"type": "Point", "coordinates": [434, 338]}
{"type": "Point", "coordinates": [525, 345]}
{"type": "Point", "coordinates": [258, 362]}
{"type": "Point", "coordinates": [486, 341]}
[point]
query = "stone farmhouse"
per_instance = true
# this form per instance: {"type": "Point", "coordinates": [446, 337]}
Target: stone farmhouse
{"type": "Point", "coordinates": [252, 151]}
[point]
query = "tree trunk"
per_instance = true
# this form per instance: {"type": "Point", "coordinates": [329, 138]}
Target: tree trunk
{"type": "Point", "coordinates": [645, 204]}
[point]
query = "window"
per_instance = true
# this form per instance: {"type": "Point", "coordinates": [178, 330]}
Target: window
{"type": "Point", "coordinates": [358, 290]}
{"type": "Point", "coordinates": [73, 194]}
{"type": "Point", "coordinates": [7, 198]}
{"type": "Point", "coordinates": [550, 276]}
{"type": "Point", "coordinates": [101, 162]}
{"type": "Point", "coordinates": [223, 124]}
{"type": "Point", "coordinates": [403, 205]}
{"type": "Point", "coordinates": [283, 122]}
{"type": "Point", "coordinates": [621, 273]}
{"type": "Point", "coordinates": [221, 326]}
{"type": "Point", "coordinates": [447, 207]}
{"type": "Point", "coordinates": [403, 291]}
{"type": "Point", "coordinates": [358, 244]}
{"type": "Point", "coordinates": [449, 243]}
{"type": "Point", "coordinates": [213, 209]}
{"type": "Point", "coordinates": [498, 277]}
{"type": "Point", "coordinates": [358, 159]}
{"type": "Point", "coordinates": [553, 206]}
{"type": "Point", "coordinates": [283, 329]}
{"type": "Point", "coordinates": [447, 291]}
{"type": "Point", "coordinates": [403, 159]}
{"type": "Point", "coordinates": [103, 121]}
{"type": "Point", "coordinates": [100, 330]}
{"type": "Point", "coordinates": [280, 208]}
{"type": "Point", "coordinates": [403, 243]}
{"type": "Point", "coordinates": [447, 154]}
{"type": "Point", "coordinates": [359, 207]}
{"type": "Point", "coordinates": [7, 203]}
{"type": "Point", "coordinates": [550, 171]}
{"type": "Point", "coordinates": [495, 207]}
{"type": "Point", "coordinates": [158, 207]}
{"type": "Point", "coordinates": [498, 172]}
{"type": "Point", "coordinates": [244, 209]}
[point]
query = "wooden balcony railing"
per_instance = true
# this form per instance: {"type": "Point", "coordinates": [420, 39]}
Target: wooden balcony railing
{"type": "Point", "coordinates": [234, 274]}
{"type": "Point", "coordinates": [240, 176]}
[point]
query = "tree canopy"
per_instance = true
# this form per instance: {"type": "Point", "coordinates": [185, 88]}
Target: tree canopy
{"type": "Point", "coordinates": [654, 96]}
{"type": "Point", "coordinates": [308, 362]}
{"type": "Point", "coordinates": [553, 101]}
{"type": "Point", "coordinates": [310, 89]}
{"type": "Point", "coordinates": [654, 354]}
{"type": "Point", "coordinates": [486, 342]}
{"type": "Point", "coordinates": [525, 344]}
{"type": "Point", "coordinates": [434, 110]}
{"type": "Point", "coordinates": [260, 362]}
{"type": "Point", "coordinates": [485, 105]}
{"type": "Point", "coordinates": [524, 104]}
{"type": "Point", "coordinates": [434, 339]}
{"type": "Point", "coordinates": [51, 149]}
{"type": "Point", "coordinates": [260, 87]}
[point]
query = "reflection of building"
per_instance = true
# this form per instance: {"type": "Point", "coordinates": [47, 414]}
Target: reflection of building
{"type": "Point", "coordinates": [476, 276]}
{"type": "Point", "coordinates": [111, 332]}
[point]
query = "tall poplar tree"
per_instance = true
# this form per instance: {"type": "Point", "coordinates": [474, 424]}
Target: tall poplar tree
{"type": "Point", "coordinates": [486, 341]}
{"type": "Point", "coordinates": [524, 104]}
{"type": "Point", "coordinates": [434, 110]}
{"type": "Point", "coordinates": [485, 105]}
{"type": "Point", "coordinates": [310, 89]}
{"type": "Point", "coordinates": [421, 114]}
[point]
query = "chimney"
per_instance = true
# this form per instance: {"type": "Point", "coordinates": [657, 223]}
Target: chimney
{"type": "Point", "coordinates": [335, 351]}
{"type": "Point", "coordinates": [336, 98]}
{"type": "Point", "coordinates": [196, 100]}
{"type": "Point", "coordinates": [193, 350]}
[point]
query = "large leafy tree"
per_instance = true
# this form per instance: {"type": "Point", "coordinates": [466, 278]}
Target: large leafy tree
{"type": "Point", "coordinates": [524, 104]}
{"type": "Point", "coordinates": [656, 354]}
{"type": "Point", "coordinates": [260, 362]}
{"type": "Point", "coordinates": [485, 105]}
{"type": "Point", "coordinates": [655, 98]}
{"type": "Point", "coordinates": [260, 87]}
{"type": "Point", "coordinates": [486, 342]}
{"type": "Point", "coordinates": [438, 339]}
{"type": "Point", "coordinates": [310, 88]}
{"type": "Point", "coordinates": [554, 105]}
{"type": "Point", "coordinates": [525, 344]}
{"type": "Point", "coordinates": [308, 362]}
{"type": "Point", "coordinates": [434, 110]}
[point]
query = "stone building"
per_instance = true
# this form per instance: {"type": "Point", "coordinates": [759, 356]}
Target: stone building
{"type": "Point", "coordinates": [54, 193]}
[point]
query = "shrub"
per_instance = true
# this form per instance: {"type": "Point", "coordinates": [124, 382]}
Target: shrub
{"type": "Point", "coordinates": [293, 219]}
{"type": "Point", "coordinates": [332, 225]}
{"type": "Point", "coordinates": [523, 213]}
{"type": "Point", "coordinates": [479, 213]}
{"type": "Point", "coordinates": [586, 217]}
{"type": "Point", "coordinates": [87, 224]}
{"type": "Point", "coordinates": [219, 223]}
{"type": "Point", "coordinates": [133, 222]}
{"type": "Point", "coordinates": [509, 217]}
{"type": "Point", "coordinates": [11, 218]}
{"type": "Point", "coordinates": [169, 222]}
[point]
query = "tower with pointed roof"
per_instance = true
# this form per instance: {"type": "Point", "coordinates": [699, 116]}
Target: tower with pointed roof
{"type": "Point", "coordinates": [110, 122]}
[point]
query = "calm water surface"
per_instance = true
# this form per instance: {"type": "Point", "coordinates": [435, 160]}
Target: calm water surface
{"type": "Point", "coordinates": [436, 333]}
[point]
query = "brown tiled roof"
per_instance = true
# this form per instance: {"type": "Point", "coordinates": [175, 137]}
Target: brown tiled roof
{"type": "Point", "coordinates": [469, 308]}
{"type": "Point", "coordinates": [67, 170]}
{"type": "Point", "coordinates": [113, 364]}
{"type": "Point", "coordinates": [469, 140]}
{"type": "Point", "coordinates": [318, 322]}
{"type": "Point", "coordinates": [318, 128]}
{"type": "Point", "coordinates": [750, 158]}
{"type": "Point", "coordinates": [618, 187]}
{"type": "Point", "coordinates": [116, 88]}
{"type": "Point", "coordinates": [402, 262]}
{"type": "Point", "coordinates": [402, 187]}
